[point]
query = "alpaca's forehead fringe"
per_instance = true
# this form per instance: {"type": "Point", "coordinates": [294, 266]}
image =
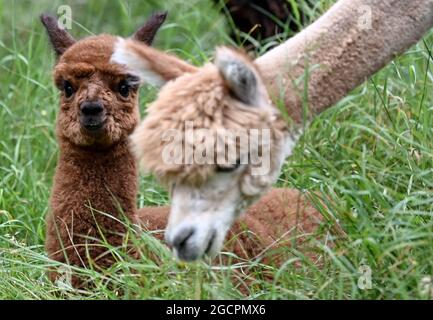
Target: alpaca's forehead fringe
{"type": "Point", "coordinates": [84, 70]}
{"type": "Point", "coordinates": [203, 102]}
{"type": "Point", "coordinates": [88, 56]}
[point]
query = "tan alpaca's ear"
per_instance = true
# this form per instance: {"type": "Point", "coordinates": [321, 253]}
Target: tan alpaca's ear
{"type": "Point", "coordinates": [60, 39]}
{"type": "Point", "coordinates": [146, 33]}
{"type": "Point", "coordinates": [152, 66]}
{"type": "Point", "coordinates": [238, 73]}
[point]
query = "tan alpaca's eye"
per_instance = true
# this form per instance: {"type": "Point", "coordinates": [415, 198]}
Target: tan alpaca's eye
{"type": "Point", "coordinates": [124, 88]}
{"type": "Point", "coordinates": [229, 168]}
{"type": "Point", "coordinates": [68, 89]}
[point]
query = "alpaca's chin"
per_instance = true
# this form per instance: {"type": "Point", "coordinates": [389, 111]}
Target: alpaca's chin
{"type": "Point", "coordinates": [95, 138]}
{"type": "Point", "coordinates": [93, 127]}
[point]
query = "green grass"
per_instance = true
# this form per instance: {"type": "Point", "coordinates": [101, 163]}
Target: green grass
{"type": "Point", "coordinates": [371, 155]}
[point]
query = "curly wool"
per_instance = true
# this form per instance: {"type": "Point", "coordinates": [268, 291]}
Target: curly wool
{"type": "Point", "coordinates": [202, 99]}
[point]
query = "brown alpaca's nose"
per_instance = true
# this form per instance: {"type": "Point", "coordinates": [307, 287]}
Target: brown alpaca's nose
{"type": "Point", "coordinates": [91, 108]}
{"type": "Point", "coordinates": [92, 116]}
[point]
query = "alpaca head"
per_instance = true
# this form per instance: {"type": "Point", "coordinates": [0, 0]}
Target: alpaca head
{"type": "Point", "coordinates": [99, 100]}
{"type": "Point", "coordinates": [213, 136]}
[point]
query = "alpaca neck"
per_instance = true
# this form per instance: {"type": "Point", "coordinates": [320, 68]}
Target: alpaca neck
{"type": "Point", "coordinates": [104, 179]}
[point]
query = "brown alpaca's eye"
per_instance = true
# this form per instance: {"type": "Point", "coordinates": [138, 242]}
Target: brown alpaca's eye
{"type": "Point", "coordinates": [124, 89]}
{"type": "Point", "coordinates": [68, 89]}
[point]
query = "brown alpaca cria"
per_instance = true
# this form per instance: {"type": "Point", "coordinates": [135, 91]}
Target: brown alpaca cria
{"type": "Point", "coordinates": [95, 182]}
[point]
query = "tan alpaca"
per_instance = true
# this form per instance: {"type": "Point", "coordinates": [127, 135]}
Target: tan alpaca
{"type": "Point", "coordinates": [212, 98]}
{"type": "Point", "coordinates": [230, 95]}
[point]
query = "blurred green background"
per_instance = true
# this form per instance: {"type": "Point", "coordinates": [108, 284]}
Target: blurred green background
{"type": "Point", "coordinates": [371, 155]}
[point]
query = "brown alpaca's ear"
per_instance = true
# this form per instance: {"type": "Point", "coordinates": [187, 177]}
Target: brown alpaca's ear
{"type": "Point", "coordinates": [60, 39]}
{"type": "Point", "coordinates": [146, 33]}
{"type": "Point", "coordinates": [152, 66]}
{"type": "Point", "coordinates": [238, 73]}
